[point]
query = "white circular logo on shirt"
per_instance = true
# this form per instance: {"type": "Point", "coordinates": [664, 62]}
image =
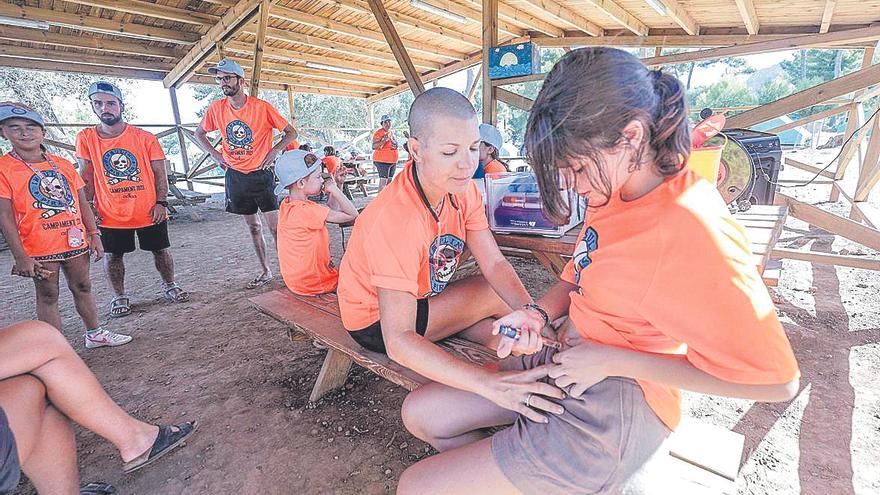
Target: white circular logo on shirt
{"type": "Point", "coordinates": [119, 165]}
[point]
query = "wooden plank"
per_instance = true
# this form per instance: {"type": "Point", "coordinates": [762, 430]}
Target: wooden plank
{"type": "Point", "coordinates": [81, 58]}
{"type": "Point", "coordinates": [24, 63]}
{"type": "Point", "coordinates": [385, 71]}
{"type": "Point", "coordinates": [59, 144]}
{"type": "Point", "coordinates": [774, 45]}
{"type": "Point", "coordinates": [509, 17]}
{"type": "Point", "coordinates": [518, 80]}
{"type": "Point", "coordinates": [827, 258]}
{"type": "Point", "coordinates": [810, 118]}
{"type": "Point", "coordinates": [835, 224]}
{"type": "Point", "coordinates": [812, 96]}
{"type": "Point", "coordinates": [675, 40]}
{"type": "Point", "coordinates": [184, 156]}
{"type": "Point", "coordinates": [234, 18]}
{"type": "Point", "coordinates": [96, 24]}
{"type": "Point", "coordinates": [827, 14]}
{"type": "Point", "coordinates": [869, 174]}
{"type": "Point", "coordinates": [681, 16]}
{"type": "Point", "coordinates": [473, 87]}
{"type": "Point", "coordinates": [854, 120]}
{"type": "Point", "coordinates": [490, 40]}
{"type": "Point", "coordinates": [81, 41]}
{"type": "Point", "coordinates": [514, 99]}
{"type": "Point", "coordinates": [156, 11]}
{"type": "Point", "coordinates": [562, 14]}
{"type": "Point", "coordinates": [619, 15]}
{"type": "Point", "coordinates": [333, 374]}
{"type": "Point", "coordinates": [290, 106]}
{"type": "Point", "coordinates": [749, 16]}
{"type": "Point", "coordinates": [397, 48]}
{"type": "Point", "coordinates": [259, 45]}
{"type": "Point", "coordinates": [809, 168]}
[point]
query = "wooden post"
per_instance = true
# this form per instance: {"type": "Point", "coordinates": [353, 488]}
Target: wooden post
{"type": "Point", "coordinates": [397, 48]}
{"type": "Point", "coordinates": [854, 120]}
{"type": "Point", "coordinates": [371, 119]}
{"type": "Point", "coordinates": [220, 46]}
{"type": "Point", "coordinates": [290, 104]}
{"type": "Point", "coordinates": [175, 109]}
{"type": "Point", "coordinates": [490, 40]}
{"type": "Point", "coordinates": [870, 171]}
{"type": "Point", "coordinates": [473, 85]}
{"type": "Point", "coordinates": [260, 42]}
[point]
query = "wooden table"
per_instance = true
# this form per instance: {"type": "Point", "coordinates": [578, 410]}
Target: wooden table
{"type": "Point", "coordinates": [763, 226]}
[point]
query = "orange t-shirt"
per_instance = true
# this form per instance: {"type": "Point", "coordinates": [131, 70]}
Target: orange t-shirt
{"type": "Point", "coordinates": [494, 166]}
{"type": "Point", "coordinates": [294, 145]}
{"type": "Point", "coordinates": [41, 206]}
{"type": "Point", "coordinates": [672, 273]}
{"type": "Point", "coordinates": [332, 163]}
{"type": "Point", "coordinates": [387, 153]}
{"type": "Point", "coordinates": [304, 248]}
{"type": "Point", "coordinates": [396, 244]}
{"type": "Point", "coordinates": [247, 132]}
{"type": "Point", "coordinates": [125, 189]}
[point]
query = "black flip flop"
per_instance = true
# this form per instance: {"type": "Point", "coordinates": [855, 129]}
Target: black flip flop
{"type": "Point", "coordinates": [169, 438]}
{"type": "Point", "coordinates": [97, 488]}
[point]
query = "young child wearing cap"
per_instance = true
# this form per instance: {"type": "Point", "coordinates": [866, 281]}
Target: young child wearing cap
{"type": "Point", "coordinates": [490, 143]}
{"type": "Point", "coordinates": [303, 240]}
{"type": "Point", "coordinates": [45, 218]}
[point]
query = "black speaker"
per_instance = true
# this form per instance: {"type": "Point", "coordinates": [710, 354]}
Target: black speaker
{"type": "Point", "coordinates": [765, 152]}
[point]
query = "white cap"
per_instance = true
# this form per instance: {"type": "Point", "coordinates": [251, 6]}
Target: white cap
{"type": "Point", "coordinates": [489, 134]}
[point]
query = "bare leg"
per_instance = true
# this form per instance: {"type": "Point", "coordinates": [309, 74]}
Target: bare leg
{"type": "Point", "coordinates": [453, 312]}
{"type": "Point", "coordinates": [164, 264]}
{"type": "Point", "coordinates": [47, 296]}
{"type": "Point", "coordinates": [382, 183]}
{"type": "Point", "coordinates": [38, 349]}
{"type": "Point", "coordinates": [256, 230]}
{"type": "Point", "coordinates": [271, 220]}
{"type": "Point", "coordinates": [468, 469]}
{"type": "Point", "coordinates": [114, 267]}
{"type": "Point", "coordinates": [448, 418]}
{"type": "Point", "coordinates": [76, 271]}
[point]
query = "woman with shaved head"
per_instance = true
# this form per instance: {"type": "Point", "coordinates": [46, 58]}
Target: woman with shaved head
{"type": "Point", "coordinates": [395, 289]}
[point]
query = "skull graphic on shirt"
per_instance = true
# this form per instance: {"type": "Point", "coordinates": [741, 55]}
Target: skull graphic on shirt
{"type": "Point", "coordinates": [120, 165]}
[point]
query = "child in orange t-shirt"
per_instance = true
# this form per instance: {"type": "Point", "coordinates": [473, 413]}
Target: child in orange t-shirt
{"type": "Point", "coordinates": [46, 222]}
{"type": "Point", "coordinates": [303, 240]}
{"type": "Point", "coordinates": [662, 293]}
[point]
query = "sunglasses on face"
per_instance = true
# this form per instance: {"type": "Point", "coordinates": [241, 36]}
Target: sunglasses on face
{"type": "Point", "coordinates": [225, 79]}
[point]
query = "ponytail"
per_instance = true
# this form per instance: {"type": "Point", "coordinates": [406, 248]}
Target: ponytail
{"type": "Point", "coordinates": [670, 139]}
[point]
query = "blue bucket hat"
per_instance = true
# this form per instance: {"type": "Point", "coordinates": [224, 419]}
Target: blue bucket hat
{"type": "Point", "coordinates": [227, 65]}
{"type": "Point", "coordinates": [291, 166]}
{"type": "Point", "coordinates": [106, 88]}
{"type": "Point", "coordinates": [8, 111]}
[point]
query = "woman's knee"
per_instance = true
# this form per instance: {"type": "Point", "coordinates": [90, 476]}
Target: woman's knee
{"type": "Point", "coordinates": [27, 390]}
{"type": "Point", "coordinates": [416, 413]}
{"type": "Point", "coordinates": [38, 335]}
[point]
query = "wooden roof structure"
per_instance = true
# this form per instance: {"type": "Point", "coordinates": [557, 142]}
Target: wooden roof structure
{"type": "Point", "coordinates": [304, 42]}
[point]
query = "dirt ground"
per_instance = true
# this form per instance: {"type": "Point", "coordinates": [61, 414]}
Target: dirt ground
{"type": "Point", "coordinates": [218, 360]}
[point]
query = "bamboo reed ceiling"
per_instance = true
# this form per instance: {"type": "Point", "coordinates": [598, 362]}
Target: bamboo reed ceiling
{"type": "Point", "coordinates": [151, 39]}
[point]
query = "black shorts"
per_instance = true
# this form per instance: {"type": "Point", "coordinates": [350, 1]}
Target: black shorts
{"type": "Point", "coordinates": [386, 170]}
{"type": "Point", "coordinates": [10, 470]}
{"type": "Point", "coordinates": [248, 193]}
{"type": "Point", "coordinates": [150, 238]}
{"type": "Point", "coordinates": [371, 337]}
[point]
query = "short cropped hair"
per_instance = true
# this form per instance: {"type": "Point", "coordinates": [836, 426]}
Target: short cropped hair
{"type": "Point", "coordinates": [433, 103]}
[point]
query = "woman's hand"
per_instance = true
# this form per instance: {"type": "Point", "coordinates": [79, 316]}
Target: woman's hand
{"type": "Point", "coordinates": [582, 366]}
{"type": "Point", "coordinates": [520, 391]}
{"type": "Point", "coordinates": [96, 247]}
{"type": "Point", "coordinates": [529, 324]}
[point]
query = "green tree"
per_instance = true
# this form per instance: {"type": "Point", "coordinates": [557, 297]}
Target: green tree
{"type": "Point", "coordinates": [725, 93]}
{"type": "Point", "coordinates": [815, 65]}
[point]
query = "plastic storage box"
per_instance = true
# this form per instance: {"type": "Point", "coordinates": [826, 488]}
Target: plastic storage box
{"type": "Point", "coordinates": [513, 205]}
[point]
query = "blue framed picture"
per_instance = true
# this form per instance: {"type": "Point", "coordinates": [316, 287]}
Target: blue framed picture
{"type": "Point", "coordinates": [520, 59]}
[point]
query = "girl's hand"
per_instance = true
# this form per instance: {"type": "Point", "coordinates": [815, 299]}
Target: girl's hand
{"type": "Point", "coordinates": [96, 247]}
{"type": "Point", "coordinates": [520, 391]}
{"type": "Point", "coordinates": [582, 366]}
{"type": "Point", "coordinates": [529, 325]}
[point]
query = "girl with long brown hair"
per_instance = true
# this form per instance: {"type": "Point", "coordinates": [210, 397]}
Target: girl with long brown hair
{"type": "Point", "coordinates": [661, 294]}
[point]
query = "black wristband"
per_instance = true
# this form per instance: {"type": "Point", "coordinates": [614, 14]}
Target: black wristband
{"type": "Point", "coordinates": [540, 310]}
{"type": "Point", "coordinates": [163, 203]}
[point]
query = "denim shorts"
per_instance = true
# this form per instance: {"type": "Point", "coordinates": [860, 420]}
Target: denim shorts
{"type": "Point", "coordinates": [10, 470]}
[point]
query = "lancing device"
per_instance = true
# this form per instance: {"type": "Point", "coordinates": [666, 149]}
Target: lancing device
{"type": "Point", "coordinates": [514, 334]}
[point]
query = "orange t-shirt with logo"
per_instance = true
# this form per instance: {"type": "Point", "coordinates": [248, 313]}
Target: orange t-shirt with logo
{"type": "Point", "coordinates": [304, 248]}
{"type": "Point", "coordinates": [387, 153]}
{"type": "Point", "coordinates": [247, 132]}
{"type": "Point", "coordinates": [332, 163]}
{"type": "Point", "coordinates": [396, 244]}
{"type": "Point", "coordinates": [672, 273]}
{"type": "Point", "coordinates": [125, 189]}
{"type": "Point", "coordinates": [41, 206]}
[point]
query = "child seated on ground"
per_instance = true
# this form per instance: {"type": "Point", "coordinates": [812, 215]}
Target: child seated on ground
{"type": "Point", "coordinates": [303, 240]}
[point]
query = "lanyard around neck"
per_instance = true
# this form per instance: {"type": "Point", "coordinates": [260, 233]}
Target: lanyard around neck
{"type": "Point", "coordinates": [61, 179]}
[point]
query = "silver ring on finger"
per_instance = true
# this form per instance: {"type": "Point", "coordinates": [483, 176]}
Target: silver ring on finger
{"type": "Point", "coordinates": [528, 400]}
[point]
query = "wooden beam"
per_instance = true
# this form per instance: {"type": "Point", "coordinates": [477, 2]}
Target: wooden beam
{"type": "Point", "coordinates": [812, 96]}
{"type": "Point", "coordinates": [432, 27]}
{"type": "Point", "coordinates": [155, 10]}
{"type": "Point", "coordinates": [473, 88]}
{"type": "Point", "coordinates": [564, 15]}
{"type": "Point", "coordinates": [102, 70]}
{"type": "Point", "coordinates": [826, 258]}
{"type": "Point", "coordinates": [621, 16]}
{"type": "Point", "coordinates": [511, 98]}
{"type": "Point", "coordinates": [471, 9]}
{"type": "Point", "coordinates": [869, 174]}
{"type": "Point", "coordinates": [835, 224]}
{"type": "Point", "coordinates": [175, 110]}
{"type": "Point", "coordinates": [220, 49]}
{"type": "Point", "coordinates": [674, 41]}
{"type": "Point", "coordinates": [336, 27]}
{"type": "Point", "coordinates": [809, 118]}
{"type": "Point", "coordinates": [400, 54]}
{"type": "Point", "coordinates": [775, 45]}
{"type": "Point", "coordinates": [81, 58]}
{"type": "Point", "coordinates": [827, 14]}
{"type": "Point", "coordinates": [306, 72]}
{"type": "Point", "coordinates": [490, 41]}
{"type": "Point", "coordinates": [428, 77]}
{"type": "Point", "coordinates": [749, 16]}
{"type": "Point", "coordinates": [519, 79]}
{"type": "Point", "coordinates": [681, 16]}
{"type": "Point", "coordinates": [854, 120]}
{"type": "Point", "coordinates": [809, 168]}
{"type": "Point", "coordinates": [341, 47]}
{"type": "Point", "coordinates": [259, 44]}
{"type": "Point", "coordinates": [299, 83]}
{"type": "Point", "coordinates": [83, 41]}
{"type": "Point", "coordinates": [290, 106]}
{"type": "Point", "coordinates": [234, 18]}
{"type": "Point", "coordinates": [96, 24]}
{"type": "Point", "coordinates": [299, 56]}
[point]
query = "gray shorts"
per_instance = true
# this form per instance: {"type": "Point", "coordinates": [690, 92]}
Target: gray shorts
{"type": "Point", "coordinates": [594, 447]}
{"type": "Point", "coordinates": [10, 470]}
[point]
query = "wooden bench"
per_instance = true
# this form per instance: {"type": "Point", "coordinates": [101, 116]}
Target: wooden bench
{"type": "Point", "coordinates": [697, 458]}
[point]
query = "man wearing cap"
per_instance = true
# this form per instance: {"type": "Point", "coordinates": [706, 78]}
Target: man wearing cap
{"type": "Point", "coordinates": [124, 170]}
{"type": "Point", "coordinates": [385, 152]}
{"type": "Point", "coordinates": [246, 124]}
